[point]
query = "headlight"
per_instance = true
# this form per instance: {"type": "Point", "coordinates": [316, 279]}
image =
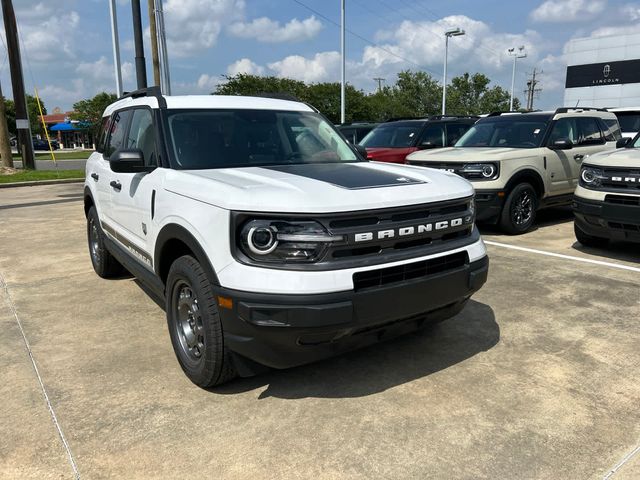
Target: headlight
{"type": "Point", "coordinates": [281, 241]}
{"type": "Point", "coordinates": [479, 171]}
{"type": "Point", "coordinates": [591, 177]}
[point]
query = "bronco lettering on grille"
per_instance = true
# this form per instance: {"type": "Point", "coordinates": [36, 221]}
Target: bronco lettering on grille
{"type": "Point", "coordinates": [413, 230]}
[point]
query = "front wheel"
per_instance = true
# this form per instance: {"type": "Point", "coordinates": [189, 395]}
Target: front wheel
{"type": "Point", "coordinates": [589, 240]}
{"type": "Point", "coordinates": [104, 264]}
{"type": "Point", "coordinates": [519, 211]}
{"type": "Point", "coordinates": [194, 324]}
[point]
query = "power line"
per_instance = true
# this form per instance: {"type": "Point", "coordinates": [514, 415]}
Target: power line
{"type": "Point", "coordinates": [366, 40]}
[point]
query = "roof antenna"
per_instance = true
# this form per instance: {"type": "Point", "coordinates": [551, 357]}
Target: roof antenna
{"type": "Point", "coordinates": [577, 103]}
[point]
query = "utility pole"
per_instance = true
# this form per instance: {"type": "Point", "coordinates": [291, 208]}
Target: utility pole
{"type": "Point", "coordinates": [532, 91]}
{"type": "Point", "coordinates": [141, 68]}
{"type": "Point", "coordinates": [116, 46]}
{"type": "Point", "coordinates": [5, 145]}
{"type": "Point", "coordinates": [342, 69]}
{"type": "Point", "coordinates": [23, 129]}
{"type": "Point", "coordinates": [165, 77]}
{"type": "Point", "coordinates": [379, 80]}
{"type": "Point", "coordinates": [154, 42]}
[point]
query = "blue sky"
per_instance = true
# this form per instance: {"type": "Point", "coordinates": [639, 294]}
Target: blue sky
{"type": "Point", "coordinates": [67, 43]}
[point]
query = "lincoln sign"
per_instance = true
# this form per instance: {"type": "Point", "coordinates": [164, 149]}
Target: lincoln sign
{"type": "Point", "coordinates": [606, 73]}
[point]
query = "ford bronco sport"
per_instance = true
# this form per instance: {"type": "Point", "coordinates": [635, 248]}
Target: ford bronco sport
{"type": "Point", "coordinates": [520, 162]}
{"type": "Point", "coordinates": [269, 238]}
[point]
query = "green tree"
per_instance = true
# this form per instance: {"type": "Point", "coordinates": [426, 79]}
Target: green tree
{"type": "Point", "coordinates": [32, 111]}
{"type": "Point", "coordinates": [418, 93]}
{"type": "Point", "coordinates": [326, 98]}
{"type": "Point", "coordinates": [245, 84]}
{"type": "Point", "coordinates": [471, 95]}
{"type": "Point", "coordinates": [90, 110]}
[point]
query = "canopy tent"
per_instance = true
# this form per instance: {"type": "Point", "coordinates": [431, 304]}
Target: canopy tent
{"type": "Point", "coordinates": [63, 127]}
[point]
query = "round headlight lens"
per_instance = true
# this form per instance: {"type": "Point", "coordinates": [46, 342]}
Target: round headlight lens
{"type": "Point", "coordinates": [488, 170]}
{"type": "Point", "coordinates": [262, 240]}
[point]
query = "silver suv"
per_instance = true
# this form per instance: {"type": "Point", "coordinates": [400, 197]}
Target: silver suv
{"type": "Point", "coordinates": [520, 162]}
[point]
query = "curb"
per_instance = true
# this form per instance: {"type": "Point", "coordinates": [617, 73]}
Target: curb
{"type": "Point", "coordinates": [34, 183]}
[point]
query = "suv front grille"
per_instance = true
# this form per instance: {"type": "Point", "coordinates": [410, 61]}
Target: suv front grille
{"type": "Point", "coordinates": [622, 179]}
{"type": "Point", "coordinates": [621, 200]}
{"type": "Point", "coordinates": [409, 271]}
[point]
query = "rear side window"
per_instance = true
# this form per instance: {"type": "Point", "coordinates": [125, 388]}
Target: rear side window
{"type": "Point", "coordinates": [611, 130]}
{"type": "Point", "coordinates": [565, 129]}
{"type": "Point", "coordinates": [118, 133]}
{"type": "Point", "coordinates": [590, 133]}
{"type": "Point", "coordinates": [104, 133]}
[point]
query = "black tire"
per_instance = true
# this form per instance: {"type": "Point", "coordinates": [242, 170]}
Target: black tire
{"type": "Point", "coordinates": [519, 211]}
{"type": "Point", "coordinates": [589, 240]}
{"type": "Point", "coordinates": [194, 325]}
{"type": "Point", "coordinates": [104, 264]}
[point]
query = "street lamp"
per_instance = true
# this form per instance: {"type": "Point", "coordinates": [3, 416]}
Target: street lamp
{"type": "Point", "coordinates": [516, 55]}
{"type": "Point", "coordinates": [450, 33]}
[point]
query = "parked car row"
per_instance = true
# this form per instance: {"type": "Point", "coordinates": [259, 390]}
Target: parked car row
{"type": "Point", "coordinates": [519, 163]}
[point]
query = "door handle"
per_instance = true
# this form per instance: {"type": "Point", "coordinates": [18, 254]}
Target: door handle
{"type": "Point", "coordinates": [95, 176]}
{"type": "Point", "coordinates": [578, 156]}
{"type": "Point", "coordinates": [117, 186]}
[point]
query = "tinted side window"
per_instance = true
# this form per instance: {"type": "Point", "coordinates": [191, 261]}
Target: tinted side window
{"type": "Point", "coordinates": [564, 129]}
{"type": "Point", "coordinates": [102, 137]}
{"type": "Point", "coordinates": [142, 135]}
{"type": "Point", "coordinates": [455, 131]}
{"type": "Point", "coordinates": [433, 136]}
{"type": "Point", "coordinates": [118, 132]}
{"type": "Point", "coordinates": [611, 129]}
{"type": "Point", "coordinates": [590, 133]}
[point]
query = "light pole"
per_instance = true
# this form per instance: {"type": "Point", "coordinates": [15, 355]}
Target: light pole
{"type": "Point", "coordinates": [342, 63]}
{"type": "Point", "coordinates": [450, 33]}
{"type": "Point", "coordinates": [516, 55]}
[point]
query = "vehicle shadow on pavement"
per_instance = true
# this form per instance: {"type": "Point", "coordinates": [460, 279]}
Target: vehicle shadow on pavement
{"type": "Point", "coordinates": [626, 252]}
{"type": "Point", "coordinates": [386, 365]}
{"type": "Point", "coordinates": [547, 217]}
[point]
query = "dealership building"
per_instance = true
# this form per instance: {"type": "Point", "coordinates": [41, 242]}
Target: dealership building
{"type": "Point", "coordinates": [603, 71]}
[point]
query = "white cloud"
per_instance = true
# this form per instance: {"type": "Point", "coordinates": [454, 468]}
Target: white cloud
{"type": "Point", "coordinates": [40, 34]}
{"type": "Point", "coordinates": [244, 65]}
{"type": "Point", "coordinates": [266, 30]}
{"type": "Point", "coordinates": [567, 10]}
{"type": "Point", "coordinates": [322, 67]}
{"type": "Point", "coordinates": [103, 71]}
{"type": "Point", "coordinates": [631, 12]}
{"type": "Point", "coordinates": [194, 25]}
{"type": "Point", "coordinates": [207, 83]}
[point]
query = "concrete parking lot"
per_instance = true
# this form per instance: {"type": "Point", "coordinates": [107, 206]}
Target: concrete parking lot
{"type": "Point", "coordinates": [536, 379]}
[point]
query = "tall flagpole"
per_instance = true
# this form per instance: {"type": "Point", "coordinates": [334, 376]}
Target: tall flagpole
{"type": "Point", "coordinates": [116, 46]}
{"type": "Point", "coordinates": [342, 71]}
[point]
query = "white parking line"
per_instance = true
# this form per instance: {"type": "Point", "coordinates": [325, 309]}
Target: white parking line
{"type": "Point", "coordinates": [565, 257]}
{"type": "Point", "coordinates": [12, 307]}
{"type": "Point", "coordinates": [621, 463]}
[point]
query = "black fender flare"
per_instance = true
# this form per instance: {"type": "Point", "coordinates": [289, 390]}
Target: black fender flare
{"type": "Point", "coordinates": [174, 231]}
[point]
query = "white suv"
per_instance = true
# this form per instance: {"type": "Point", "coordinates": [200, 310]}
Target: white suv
{"type": "Point", "coordinates": [520, 162]}
{"type": "Point", "coordinates": [269, 237]}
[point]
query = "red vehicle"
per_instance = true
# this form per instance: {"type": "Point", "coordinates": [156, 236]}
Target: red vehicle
{"type": "Point", "coordinates": [392, 141]}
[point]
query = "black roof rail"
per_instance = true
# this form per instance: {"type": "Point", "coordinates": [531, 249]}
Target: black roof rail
{"type": "Point", "coordinates": [399, 119]}
{"type": "Point", "coordinates": [566, 109]}
{"type": "Point", "coordinates": [356, 123]}
{"type": "Point", "coordinates": [440, 117]}
{"type": "Point", "coordinates": [153, 91]}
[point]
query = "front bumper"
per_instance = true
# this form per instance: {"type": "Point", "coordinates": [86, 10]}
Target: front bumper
{"type": "Point", "coordinates": [282, 331]}
{"type": "Point", "coordinates": [604, 219]}
{"type": "Point", "coordinates": [489, 205]}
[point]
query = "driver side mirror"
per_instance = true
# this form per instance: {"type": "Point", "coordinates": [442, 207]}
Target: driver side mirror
{"type": "Point", "coordinates": [623, 142]}
{"type": "Point", "coordinates": [561, 144]}
{"type": "Point", "coordinates": [428, 145]}
{"type": "Point", "coordinates": [128, 161]}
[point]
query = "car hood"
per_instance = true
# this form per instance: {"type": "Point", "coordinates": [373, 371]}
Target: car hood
{"type": "Point", "coordinates": [622, 157]}
{"type": "Point", "coordinates": [317, 188]}
{"type": "Point", "coordinates": [472, 154]}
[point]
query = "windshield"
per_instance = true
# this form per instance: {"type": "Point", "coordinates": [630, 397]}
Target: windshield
{"type": "Point", "coordinates": [203, 139]}
{"type": "Point", "coordinates": [629, 122]}
{"type": "Point", "coordinates": [390, 136]}
{"type": "Point", "coordinates": [514, 133]}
